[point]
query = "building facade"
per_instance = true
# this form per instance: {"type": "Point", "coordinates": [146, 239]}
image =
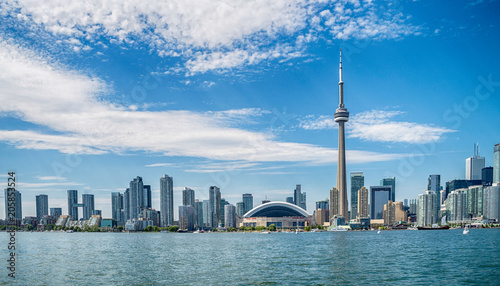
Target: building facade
{"type": "Point", "coordinates": [117, 207]}
{"type": "Point", "coordinates": [491, 205]}
{"type": "Point", "coordinates": [248, 202]}
{"type": "Point", "coordinates": [73, 204]}
{"type": "Point", "coordinates": [137, 201]}
{"type": "Point", "coordinates": [88, 206]}
{"type": "Point", "coordinates": [363, 210]}
{"type": "Point", "coordinates": [198, 213]}
{"type": "Point", "coordinates": [297, 195]}
{"type": "Point", "coordinates": [357, 182]}
{"type": "Point", "coordinates": [167, 200]}
{"type": "Point", "coordinates": [334, 202]}
{"type": "Point", "coordinates": [229, 216]}
{"type": "Point", "coordinates": [55, 212]}
{"type": "Point", "coordinates": [186, 218]}
{"type": "Point", "coordinates": [42, 206]}
{"type": "Point", "coordinates": [379, 196]}
{"type": "Point", "coordinates": [322, 216]}
{"type": "Point", "coordinates": [214, 197]}
{"type": "Point", "coordinates": [13, 207]}
{"type": "Point", "coordinates": [240, 209]}
{"type": "Point", "coordinates": [390, 182]}
{"type": "Point", "coordinates": [427, 213]}
{"type": "Point", "coordinates": [394, 212]}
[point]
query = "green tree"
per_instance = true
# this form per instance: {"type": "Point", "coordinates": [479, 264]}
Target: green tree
{"type": "Point", "coordinates": [231, 229]}
{"type": "Point", "coordinates": [214, 230]}
{"type": "Point", "coordinates": [76, 228]}
{"type": "Point", "coordinates": [156, 229]}
{"type": "Point", "coordinates": [120, 228]}
{"type": "Point", "coordinates": [148, 228]}
{"type": "Point", "coordinates": [272, 227]}
{"type": "Point", "coordinates": [49, 227]}
{"type": "Point", "coordinates": [260, 228]}
{"type": "Point", "coordinates": [307, 228]}
{"type": "Point", "coordinates": [173, 228]}
{"type": "Point", "coordinates": [29, 227]}
{"type": "Point", "coordinates": [320, 226]}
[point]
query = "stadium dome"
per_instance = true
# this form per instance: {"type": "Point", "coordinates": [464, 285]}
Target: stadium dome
{"type": "Point", "coordinates": [277, 209]}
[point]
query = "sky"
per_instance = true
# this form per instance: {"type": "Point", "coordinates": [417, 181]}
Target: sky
{"type": "Point", "coordinates": [241, 95]}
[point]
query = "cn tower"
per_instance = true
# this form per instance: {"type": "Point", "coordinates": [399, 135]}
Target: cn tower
{"type": "Point", "coordinates": [341, 116]}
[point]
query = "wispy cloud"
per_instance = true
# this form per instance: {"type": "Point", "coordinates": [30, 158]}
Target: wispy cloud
{"type": "Point", "coordinates": [161, 165]}
{"type": "Point", "coordinates": [51, 178]}
{"type": "Point", "coordinates": [312, 122]}
{"type": "Point", "coordinates": [207, 35]}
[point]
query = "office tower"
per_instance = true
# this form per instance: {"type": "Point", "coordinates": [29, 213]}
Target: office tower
{"type": "Point", "coordinates": [491, 202]}
{"type": "Point", "coordinates": [188, 197]}
{"type": "Point", "coordinates": [13, 207]}
{"type": "Point", "coordinates": [405, 203]}
{"type": "Point", "coordinates": [126, 205]}
{"type": "Point", "coordinates": [198, 211]}
{"type": "Point", "coordinates": [321, 216]}
{"type": "Point", "coordinates": [147, 204]}
{"type": "Point", "coordinates": [456, 205]}
{"type": "Point", "coordinates": [442, 196]}
{"type": "Point", "coordinates": [289, 200]}
{"type": "Point", "coordinates": [460, 184]}
{"type": "Point", "coordinates": [487, 176]}
{"type": "Point", "coordinates": [42, 206]}
{"type": "Point", "coordinates": [240, 209]}
{"type": "Point", "coordinates": [248, 202]}
{"type": "Point", "coordinates": [223, 203]}
{"type": "Point", "coordinates": [390, 182]}
{"type": "Point", "coordinates": [474, 165]}
{"type": "Point", "coordinates": [394, 212]}
{"type": "Point", "coordinates": [88, 206]}
{"type": "Point", "coordinates": [496, 163]}
{"type": "Point", "coordinates": [137, 201]}
{"type": "Point", "coordinates": [357, 181]}
{"type": "Point", "coordinates": [73, 204]}
{"type": "Point", "coordinates": [363, 203]}
{"type": "Point", "coordinates": [434, 184]}
{"type": "Point", "coordinates": [413, 206]}
{"type": "Point", "coordinates": [167, 201]}
{"type": "Point", "coordinates": [474, 201]}
{"type": "Point", "coordinates": [322, 205]}
{"type": "Point", "coordinates": [186, 217]}
{"type": "Point", "coordinates": [297, 195]}
{"type": "Point", "coordinates": [214, 206]}
{"type": "Point", "coordinates": [303, 201]}
{"type": "Point", "coordinates": [427, 213]}
{"type": "Point", "coordinates": [341, 116]}
{"type": "Point", "coordinates": [96, 212]}
{"type": "Point", "coordinates": [334, 202]}
{"type": "Point", "coordinates": [116, 207]}
{"type": "Point", "coordinates": [229, 216]}
{"type": "Point", "coordinates": [206, 214]}
{"type": "Point", "coordinates": [379, 196]}
{"type": "Point", "coordinates": [56, 212]}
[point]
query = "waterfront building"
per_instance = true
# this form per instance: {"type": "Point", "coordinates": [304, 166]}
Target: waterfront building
{"type": "Point", "coordinates": [16, 208]}
{"type": "Point", "coordinates": [281, 214]}
{"type": "Point", "coordinates": [334, 202]}
{"type": "Point", "coordinates": [460, 184]}
{"type": "Point", "coordinates": [394, 212]}
{"type": "Point", "coordinates": [186, 218]}
{"type": "Point", "coordinates": [214, 198]}
{"type": "Point", "coordinates": [222, 221]}
{"type": "Point", "coordinates": [116, 207]}
{"type": "Point", "coordinates": [491, 203]}
{"type": "Point", "coordinates": [126, 205]}
{"type": "Point", "coordinates": [390, 182]}
{"type": "Point", "coordinates": [166, 200]}
{"type": "Point", "coordinates": [206, 214]}
{"type": "Point", "coordinates": [434, 184]}
{"type": "Point", "coordinates": [487, 176]}
{"type": "Point", "coordinates": [152, 215]}
{"type": "Point", "coordinates": [297, 195]}
{"type": "Point", "coordinates": [303, 201]}
{"type": "Point", "coordinates": [240, 209]}
{"type": "Point", "coordinates": [29, 220]}
{"type": "Point", "coordinates": [229, 216]}
{"type": "Point", "coordinates": [322, 205]}
{"type": "Point", "coordinates": [322, 216]}
{"type": "Point", "coordinates": [88, 206]}
{"type": "Point", "coordinates": [55, 212]}
{"type": "Point", "coordinates": [147, 204]}
{"type": "Point", "coordinates": [188, 197]}
{"type": "Point", "coordinates": [289, 200]}
{"type": "Point", "coordinates": [496, 163]}
{"type": "Point", "coordinates": [363, 203]}
{"type": "Point", "coordinates": [474, 165]}
{"type": "Point", "coordinates": [42, 206]}
{"type": "Point", "coordinates": [379, 196]}
{"type": "Point", "coordinates": [73, 204]}
{"type": "Point", "coordinates": [475, 201]}
{"type": "Point", "coordinates": [137, 201]}
{"type": "Point", "coordinates": [46, 220]}
{"type": "Point", "coordinates": [198, 213]}
{"type": "Point", "coordinates": [357, 181]}
{"type": "Point", "coordinates": [456, 205]}
{"type": "Point", "coordinates": [413, 206]}
{"type": "Point", "coordinates": [427, 211]}
{"type": "Point", "coordinates": [248, 202]}
{"type": "Point", "coordinates": [108, 223]}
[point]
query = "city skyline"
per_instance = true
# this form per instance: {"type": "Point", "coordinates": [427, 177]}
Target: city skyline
{"type": "Point", "coordinates": [247, 108]}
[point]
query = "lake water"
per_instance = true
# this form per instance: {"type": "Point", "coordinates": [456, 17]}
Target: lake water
{"type": "Point", "coordinates": [341, 258]}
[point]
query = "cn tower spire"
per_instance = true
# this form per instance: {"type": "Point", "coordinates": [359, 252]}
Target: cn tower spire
{"type": "Point", "coordinates": [341, 83]}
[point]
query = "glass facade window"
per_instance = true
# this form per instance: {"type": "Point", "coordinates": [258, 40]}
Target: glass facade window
{"type": "Point", "coordinates": [379, 196]}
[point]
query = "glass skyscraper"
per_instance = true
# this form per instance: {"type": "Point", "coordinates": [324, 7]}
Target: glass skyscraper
{"type": "Point", "coordinates": [116, 207]}
{"type": "Point", "coordinates": [56, 212]}
{"type": "Point", "coordinates": [147, 197]}
{"type": "Point", "coordinates": [214, 206]}
{"type": "Point", "coordinates": [137, 201]}
{"type": "Point", "coordinates": [248, 202]}
{"type": "Point", "coordinates": [357, 181]}
{"type": "Point", "coordinates": [88, 206]}
{"type": "Point", "coordinates": [198, 213]}
{"type": "Point", "coordinates": [73, 204]}
{"type": "Point", "coordinates": [240, 209]}
{"type": "Point", "coordinates": [491, 203]}
{"type": "Point", "coordinates": [427, 213]}
{"type": "Point", "coordinates": [297, 195]}
{"type": "Point", "coordinates": [379, 196]}
{"type": "Point", "coordinates": [188, 197]}
{"type": "Point", "coordinates": [42, 206]}
{"type": "Point", "coordinates": [166, 201]}
{"type": "Point", "coordinates": [390, 182]}
{"type": "Point", "coordinates": [229, 216]}
{"type": "Point", "coordinates": [186, 217]}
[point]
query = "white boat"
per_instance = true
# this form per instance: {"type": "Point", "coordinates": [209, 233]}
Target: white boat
{"type": "Point", "coordinates": [466, 230]}
{"type": "Point", "coordinates": [69, 231]}
{"type": "Point", "coordinates": [378, 231]}
{"type": "Point", "coordinates": [337, 228]}
{"type": "Point", "coordinates": [266, 232]}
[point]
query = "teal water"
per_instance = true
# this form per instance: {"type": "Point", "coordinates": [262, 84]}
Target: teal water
{"type": "Point", "coordinates": [342, 258]}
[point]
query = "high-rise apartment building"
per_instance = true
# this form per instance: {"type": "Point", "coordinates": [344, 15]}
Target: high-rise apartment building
{"type": "Point", "coordinates": [223, 203]}
{"type": "Point", "coordinates": [198, 213]}
{"type": "Point", "coordinates": [379, 196]}
{"type": "Point", "coordinates": [289, 200]}
{"type": "Point", "coordinates": [206, 214]}
{"type": "Point", "coordinates": [240, 209]}
{"type": "Point", "coordinates": [117, 207]}
{"type": "Point", "coordinates": [434, 184]}
{"type": "Point", "coordinates": [248, 202]}
{"type": "Point", "coordinates": [188, 197]}
{"type": "Point", "coordinates": [456, 205]}
{"type": "Point", "coordinates": [88, 206]}
{"type": "Point", "coordinates": [334, 202]}
{"type": "Point", "coordinates": [496, 163]}
{"type": "Point", "coordinates": [229, 216]}
{"type": "Point", "coordinates": [322, 205]}
{"type": "Point", "coordinates": [73, 204]}
{"type": "Point", "coordinates": [42, 206]}
{"type": "Point", "coordinates": [413, 206]}
{"type": "Point", "coordinates": [321, 216]}
{"type": "Point", "coordinates": [126, 205]}
{"type": "Point", "coordinates": [357, 181]}
{"type": "Point", "coordinates": [363, 210]}
{"type": "Point", "coordinates": [214, 198]}
{"type": "Point", "coordinates": [390, 182]}
{"type": "Point", "coordinates": [427, 213]}
{"type": "Point", "coordinates": [475, 201]}
{"type": "Point", "coordinates": [186, 217]}
{"type": "Point", "coordinates": [166, 201]}
{"type": "Point", "coordinates": [297, 195]}
{"type": "Point", "coordinates": [394, 212]}
{"type": "Point", "coordinates": [137, 201]}
{"type": "Point", "coordinates": [303, 201]}
{"type": "Point", "coordinates": [56, 212]}
{"type": "Point", "coordinates": [147, 204]}
{"type": "Point", "coordinates": [474, 165]}
{"type": "Point", "coordinates": [491, 203]}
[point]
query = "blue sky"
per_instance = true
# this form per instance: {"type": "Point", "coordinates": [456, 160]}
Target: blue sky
{"type": "Point", "coordinates": [241, 94]}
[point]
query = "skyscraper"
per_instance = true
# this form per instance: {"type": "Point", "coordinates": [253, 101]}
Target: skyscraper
{"type": "Point", "coordinates": [334, 202]}
{"type": "Point", "coordinates": [379, 196]}
{"type": "Point", "coordinates": [434, 184]}
{"type": "Point", "coordinates": [198, 213]}
{"type": "Point", "coordinates": [297, 195]}
{"type": "Point", "coordinates": [126, 205]}
{"type": "Point", "coordinates": [341, 116]}
{"type": "Point", "coordinates": [303, 201]}
{"type": "Point", "coordinates": [357, 181]}
{"type": "Point", "coordinates": [13, 207]}
{"type": "Point", "coordinates": [229, 216]}
{"type": "Point", "coordinates": [186, 217]}
{"type": "Point", "coordinates": [363, 203]}
{"type": "Point", "coordinates": [240, 209]}
{"type": "Point", "coordinates": [487, 176]}
{"type": "Point", "coordinates": [188, 197]}
{"type": "Point", "coordinates": [42, 206]}
{"type": "Point", "coordinates": [166, 200]}
{"type": "Point", "coordinates": [390, 182]}
{"type": "Point", "coordinates": [206, 214]}
{"type": "Point", "coordinates": [289, 200]}
{"type": "Point", "coordinates": [496, 163]}
{"type": "Point", "coordinates": [223, 203]}
{"type": "Point", "coordinates": [427, 213]}
{"type": "Point", "coordinates": [456, 205]}
{"type": "Point", "coordinates": [116, 207]}
{"type": "Point", "coordinates": [394, 212]}
{"type": "Point", "coordinates": [248, 202]}
{"type": "Point", "coordinates": [322, 205]}
{"type": "Point", "coordinates": [73, 204]}
{"type": "Point", "coordinates": [56, 212]}
{"type": "Point", "coordinates": [137, 201]}
{"type": "Point", "coordinates": [147, 204]}
{"type": "Point", "coordinates": [474, 165]}
{"type": "Point", "coordinates": [88, 206]}
{"type": "Point", "coordinates": [491, 205]}
{"type": "Point", "coordinates": [214, 206]}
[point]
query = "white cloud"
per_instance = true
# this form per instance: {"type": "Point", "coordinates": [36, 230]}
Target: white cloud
{"type": "Point", "coordinates": [51, 178]}
{"type": "Point", "coordinates": [72, 106]}
{"type": "Point", "coordinates": [208, 35]}
{"type": "Point", "coordinates": [318, 123]}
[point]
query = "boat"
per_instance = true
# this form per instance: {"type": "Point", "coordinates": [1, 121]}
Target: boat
{"type": "Point", "coordinates": [265, 232]}
{"type": "Point", "coordinates": [412, 228]}
{"type": "Point", "coordinates": [378, 231]}
{"type": "Point", "coordinates": [433, 228]}
{"type": "Point", "coordinates": [336, 228]}
{"type": "Point", "coordinates": [466, 230]}
{"type": "Point", "coordinates": [69, 231]}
